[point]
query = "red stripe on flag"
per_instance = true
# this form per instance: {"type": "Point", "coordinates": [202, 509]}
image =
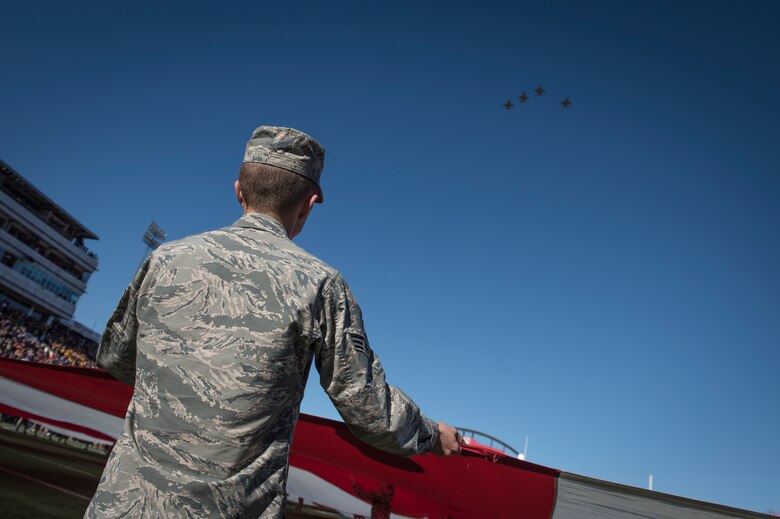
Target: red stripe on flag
{"type": "Point", "coordinates": [474, 485]}
{"type": "Point", "coordinates": [88, 387]}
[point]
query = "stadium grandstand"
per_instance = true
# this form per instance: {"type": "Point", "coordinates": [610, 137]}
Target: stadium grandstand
{"type": "Point", "coordinates": [44, 270]}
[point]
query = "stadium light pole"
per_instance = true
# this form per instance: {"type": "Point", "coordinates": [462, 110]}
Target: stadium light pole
{"type": "Point", "coordinates": [153, 238]}
{"type": "Point", "coordinates": [525, 449]}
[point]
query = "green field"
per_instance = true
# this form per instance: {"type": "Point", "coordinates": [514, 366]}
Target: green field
{"type": "Point", "coordinates": [41, 479]}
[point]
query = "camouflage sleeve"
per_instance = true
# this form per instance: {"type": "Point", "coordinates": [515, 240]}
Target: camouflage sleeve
{"type": "Point", "coordinates": [351, 374]}
{"type": "Point", "coordinates": [116, 353]}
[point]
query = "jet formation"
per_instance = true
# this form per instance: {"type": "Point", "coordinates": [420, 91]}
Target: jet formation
{"type": "Point", "coordinates": [540, 91]}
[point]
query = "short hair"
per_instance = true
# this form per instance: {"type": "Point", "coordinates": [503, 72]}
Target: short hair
{"type": "Point", "coordinates": [269, 188]}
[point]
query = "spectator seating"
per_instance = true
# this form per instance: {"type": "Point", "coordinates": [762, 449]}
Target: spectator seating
{"type": "Point", "coordinates": [31, 340]}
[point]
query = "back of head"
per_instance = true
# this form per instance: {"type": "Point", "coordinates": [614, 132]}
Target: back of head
{"type": "Point", "coordinates": [271, 189]}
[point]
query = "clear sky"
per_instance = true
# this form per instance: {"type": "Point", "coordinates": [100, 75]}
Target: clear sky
{"type": "Point", "coordinates": [602, 278]}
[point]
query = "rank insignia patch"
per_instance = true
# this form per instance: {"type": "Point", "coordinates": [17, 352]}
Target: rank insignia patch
{"type": "Point", "coordinates": [360, 343]}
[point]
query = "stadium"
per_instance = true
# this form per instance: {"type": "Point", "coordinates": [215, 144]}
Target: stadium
{"type": "Point", "coordinates": [61, 415]}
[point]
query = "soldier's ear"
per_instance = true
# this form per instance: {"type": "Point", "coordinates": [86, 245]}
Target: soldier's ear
{"type": "Point", "coordinates": [312, 200]}
{"type": "Point", "coordinates": [239, 195]}
{"type": "Point", "coordinates": [303, 214]}
{"type": "Point", "coordinates": [307, 207]}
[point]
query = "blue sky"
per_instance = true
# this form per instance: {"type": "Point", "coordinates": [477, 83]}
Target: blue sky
{"type": "Point", "coordinates": [603, 279]}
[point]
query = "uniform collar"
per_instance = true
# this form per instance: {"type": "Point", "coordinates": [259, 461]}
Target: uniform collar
{"type": "Point", "coordinates": [262, 222]}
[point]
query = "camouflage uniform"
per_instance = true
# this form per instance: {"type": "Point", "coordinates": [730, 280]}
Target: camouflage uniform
{"type": "Point", "coordinates": [218, 332]}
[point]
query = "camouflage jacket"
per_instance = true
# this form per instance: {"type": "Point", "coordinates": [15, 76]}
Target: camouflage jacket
{"type": "Point", "coordinates": [218, 332]}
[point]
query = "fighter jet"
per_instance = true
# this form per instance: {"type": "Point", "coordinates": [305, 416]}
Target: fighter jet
{"type": "Point", "coordinates": [539, 91]}
{"type": "Point", "coordinates": [508, 105]}
{"type": "Point", "coordinates": [566, 103]}
{"type": "Point", "coordinates": [523, 98]}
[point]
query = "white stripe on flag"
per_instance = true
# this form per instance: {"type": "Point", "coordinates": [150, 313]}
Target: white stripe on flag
{"type": "Point", "coordinates": [31, 400]}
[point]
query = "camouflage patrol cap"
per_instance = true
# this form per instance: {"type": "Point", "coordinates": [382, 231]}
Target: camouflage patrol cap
{"type": "Point", "coordinates": [289, 149]}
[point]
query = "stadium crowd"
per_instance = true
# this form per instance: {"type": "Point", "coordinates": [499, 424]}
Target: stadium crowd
{"type": "Point", "coordinates": [25, 338]}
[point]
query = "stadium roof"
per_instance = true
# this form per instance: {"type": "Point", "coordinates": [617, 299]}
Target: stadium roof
{"type": "Point", "coordinates": [28, 195]}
